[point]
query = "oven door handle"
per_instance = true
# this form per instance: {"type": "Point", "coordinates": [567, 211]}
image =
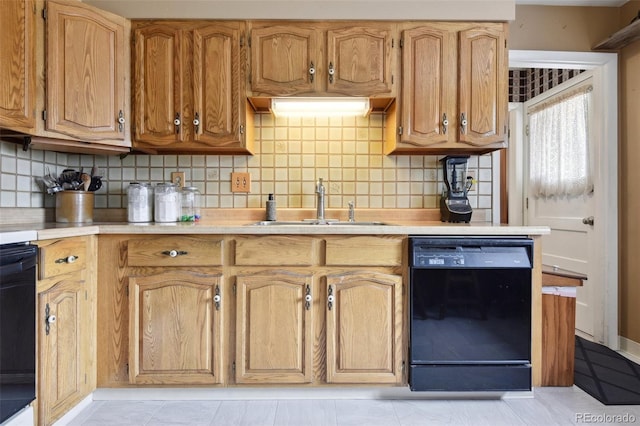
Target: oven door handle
{"type": "Point", "coordinates": [16, 268]}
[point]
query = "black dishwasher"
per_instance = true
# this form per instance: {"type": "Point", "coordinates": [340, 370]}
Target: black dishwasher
{"type": "Point", "coordinates": [470, 309]}
{"type": "Point", "coordinates": [17, 327]}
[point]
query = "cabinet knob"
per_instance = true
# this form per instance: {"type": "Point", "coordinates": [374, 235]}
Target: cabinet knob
{"type": "Point", "coordinates": [217, 298]}
{"type": "Point", "coordinates": [196, 123]}
{"type": "Point", "coordinates": [308, 298]}
{"type": "Point", "coordinates": [177, 122]}
{"type": "Point", "coordinates": [445, 123]}
{"type": "Point", "coordinates": [588, 220]}
{"type": "Point", "coordinates": [312, 71]}
{"type": "Point", "coordinates": [463, 123]}
{"type": "Point", "coordinates": [332, 71]}
{"type": "Point", "coordinates": [330, 298]}
{"type": "Point", "coordinates": [121, 121]}
{"type": "Point", "coordinates": [68, 259]}
{"type": "Point", "coordinates": [49, 319]}
{"type": "Point", "coordinates": [174, 253]}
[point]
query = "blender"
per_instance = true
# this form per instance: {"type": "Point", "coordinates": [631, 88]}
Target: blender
{"type": "Point", "coordinates": [454, 204]}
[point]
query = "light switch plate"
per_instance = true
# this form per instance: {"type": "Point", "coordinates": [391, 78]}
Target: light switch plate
{"type": "Point", "coordinates": [240, 182]}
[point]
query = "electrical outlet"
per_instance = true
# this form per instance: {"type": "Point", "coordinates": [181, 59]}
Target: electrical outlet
{"type": "Point", "coordinates": [178, 179]}
{"type": "Point", "coordinates": [240, 182]}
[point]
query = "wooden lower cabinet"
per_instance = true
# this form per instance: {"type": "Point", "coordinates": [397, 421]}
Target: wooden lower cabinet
{"type": "Point", "coordinates": [61, 376]}
{"type": "Point", "coordinates": [66, 326]}
{"type": "Point", "coordinates": [274, 327]}
{"type": "Point", "coordinates": [364, 327]}
{"type": "Point", "coordinates": [174, 328]}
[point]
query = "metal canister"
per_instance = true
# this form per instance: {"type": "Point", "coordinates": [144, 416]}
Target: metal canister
{"type": "Point", "coordinates": [167, 203]}
{"type": "Point", "coordinates": [190, 204]}
{"type": "Point", "coordinates": [140, 202]}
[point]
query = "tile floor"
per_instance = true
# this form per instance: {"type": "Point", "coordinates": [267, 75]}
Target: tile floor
{"type": "Point", "coordinates": [549, 406]}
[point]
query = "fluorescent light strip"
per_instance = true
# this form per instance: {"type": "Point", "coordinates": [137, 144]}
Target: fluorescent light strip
{"type": "Point", "coordinates": [320, 107]}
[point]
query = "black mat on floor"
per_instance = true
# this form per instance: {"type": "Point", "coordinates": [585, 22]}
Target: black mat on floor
{"type": "Point", "coordinates": [606, 375]}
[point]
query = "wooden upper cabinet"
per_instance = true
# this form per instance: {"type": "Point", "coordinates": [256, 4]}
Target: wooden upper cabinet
{"type": "Point", "coordinates": [157, 84]}
{"type": "Point", "coordinates": [359, 60]}
{"type": "Point", "coordinates": [285, 59]}
{"type": "Point", "coordinates": [85, 77]}
{"type": "Point", "coordinates": [17, 65]}
{"type": "Point", "coordinates": [428, 86]}
{"type": "Point", "coordinates": [454, 90]}
{"type": "Point", "coordinates": [322, 58]}
{"type": "Point", "coordinates": [484, 88]}
{"type": "Point", "coordinates": [189, 87]}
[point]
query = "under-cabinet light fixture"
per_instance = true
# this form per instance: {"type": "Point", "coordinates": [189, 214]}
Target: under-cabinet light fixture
{"type": "Point", "coordinates": [320, 107]}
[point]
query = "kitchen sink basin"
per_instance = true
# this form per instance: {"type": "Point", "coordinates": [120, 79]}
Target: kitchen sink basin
{"type": "Point", "coordinates": [316, 223]}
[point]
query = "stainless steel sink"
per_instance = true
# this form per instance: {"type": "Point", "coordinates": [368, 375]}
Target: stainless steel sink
{"type": "Point", "coordinates": [317, 223]}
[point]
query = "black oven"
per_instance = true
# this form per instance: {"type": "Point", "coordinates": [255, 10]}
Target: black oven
{"type": "Point", "coordinates": [470, 309]}
{"type": "Point", "coordinates": [17, 328]}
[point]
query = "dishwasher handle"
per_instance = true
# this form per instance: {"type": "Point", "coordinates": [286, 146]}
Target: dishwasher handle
{"type": "Point", "coordinates": [15, 268]}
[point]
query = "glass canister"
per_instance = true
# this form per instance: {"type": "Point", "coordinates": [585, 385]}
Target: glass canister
{"type": "Point", "coordinates": [190, 204]}
{"type": "Point", "coordinates": [167, 205]}
{"type": "Point", "coordinates": [140, 202]}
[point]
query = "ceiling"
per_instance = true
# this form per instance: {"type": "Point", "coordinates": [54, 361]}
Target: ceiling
{"type": "Point", "coordinates": [609, 3]}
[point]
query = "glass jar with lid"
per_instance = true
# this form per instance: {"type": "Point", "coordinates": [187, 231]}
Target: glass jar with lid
{"type": "Point", "coordinates": [140, 202]}
{"type": "Point", "coordinates": [190, 202]}
{"type": "Point", "coordinates": [167, 205]}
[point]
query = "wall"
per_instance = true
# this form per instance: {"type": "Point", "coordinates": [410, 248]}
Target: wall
{"type": "Point", "coordinates": [290, 156]}
{"type": "Point", "coordinates": [629, 174]}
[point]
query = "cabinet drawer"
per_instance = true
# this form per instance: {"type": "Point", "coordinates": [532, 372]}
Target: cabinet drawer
{"type": "Point", "coordinates": [62, 257]}
{"type": "Point", "coordinates": [364, 251]}
{"type": "Point", "coordinates": [276, 250]}
{"type": "Point", "coordinates": [175, 251]}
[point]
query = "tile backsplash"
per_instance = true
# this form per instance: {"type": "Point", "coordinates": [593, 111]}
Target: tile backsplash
{"type": "Point", "coordinates": [290, 155]}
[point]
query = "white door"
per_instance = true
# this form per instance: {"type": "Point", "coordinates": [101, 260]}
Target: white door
{"type": "Point", "coordinates": [603, 236]}
{"type": "Point", "coordinates": [571, 242]}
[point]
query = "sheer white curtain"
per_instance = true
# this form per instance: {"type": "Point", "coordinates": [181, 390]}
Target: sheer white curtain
{"type": "Point", "coordinates": [559, 145]}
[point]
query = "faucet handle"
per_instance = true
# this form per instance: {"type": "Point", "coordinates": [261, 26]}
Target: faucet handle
{"type": "Point", "coordinates": [352, 211]}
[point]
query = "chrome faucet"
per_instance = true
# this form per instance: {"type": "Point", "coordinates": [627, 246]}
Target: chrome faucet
{"type": "Point", "coordinates": [320, 203]}
{"type": "Point", "coordinates": [352, 212]}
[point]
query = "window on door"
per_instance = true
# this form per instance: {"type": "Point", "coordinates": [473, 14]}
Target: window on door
{"type": "Point", "coordinates": [560, 164]}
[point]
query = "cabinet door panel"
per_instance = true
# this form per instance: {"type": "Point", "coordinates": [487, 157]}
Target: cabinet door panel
{"type": "Point", "coordinates": [361, 59]}
{"type": "Point", "coordinates": [217, 79]}
{"type": "Point", "coordinates": [17, 66]}
{"type": "Point", "coordinates": [428, 87]}
{"type": "Point", "coordinates": [59, 370]}
{"type": "Point", "coordinates": [85, 72]}
{"type": "Point", "coordinates": [364, 328]}
{"type": "Point", "coordinates": [157, 85]}
{"type": "Point", "coordinates": [483, 86]}
{"type": "Point", "coordinates": [274, 328]}
{"type": "Point", "coordinates": [174, 331]}
{"type": "Point", "coordinates": [280, 60]}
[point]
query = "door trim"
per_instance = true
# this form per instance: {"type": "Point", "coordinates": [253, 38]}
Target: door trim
{"type": "Point", "coordinates": [605, 68]}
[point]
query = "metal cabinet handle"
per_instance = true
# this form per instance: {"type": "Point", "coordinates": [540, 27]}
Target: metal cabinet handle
{"type": "Point", "coordinates": [121, 121]}
{"type": "Point", "coordinates": [217, 298]}
{"type": "Point", "coordinates": [332, 71]}
{"type": "Point", "coordinates": [174, 253]}
{"type": "Point", "coordinates": [463, 123]}
{"type": "Point", "coordinates": [308, 298]}
{"type": "Point", "coordinates": [330, 298]}
{"type": "Point", "coordinates": [68, 259]}
{"type": "Point", "coordinates": [445, 123]}
{"type": "Point", "coordinates": [177, 122]}
{"type": "Point", "coordinates": [588, 220]}
{"type": "Point", "coordinates": [312, 71]}
{"type": "Point", "coordinates": [196, 122]}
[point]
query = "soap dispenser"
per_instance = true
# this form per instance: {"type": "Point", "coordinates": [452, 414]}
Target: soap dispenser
{"type": "Point", "coordinates": [271, 208]}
